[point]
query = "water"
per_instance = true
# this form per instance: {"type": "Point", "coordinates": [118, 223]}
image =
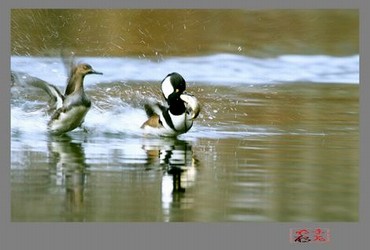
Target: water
{"type": "Point", "coordinates": [148, 33]}
{"type": "Point", "coordinates": [277, 140]}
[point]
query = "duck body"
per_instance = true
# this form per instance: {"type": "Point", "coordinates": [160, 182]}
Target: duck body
{"type": "Point", "coordinates": [178, 115]}
{"type": "Point", "coordinates": [71, 115]}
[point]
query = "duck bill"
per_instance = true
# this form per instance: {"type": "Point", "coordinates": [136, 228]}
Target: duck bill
{"type": "Point", "coordinates": [192, 104]}
{"type": "Point", "coordinates": [95, 72]}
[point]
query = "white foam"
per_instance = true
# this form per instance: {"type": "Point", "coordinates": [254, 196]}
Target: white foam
{"type": "Point", "coordinates": [30, 121]}
{"type": "Point", "coordinates": [126, 120]}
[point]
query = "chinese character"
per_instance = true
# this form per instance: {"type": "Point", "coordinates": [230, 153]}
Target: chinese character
{"type": "Point", "coordinates": [305, 235]}
{"type": "Point", "coordinates": [319, 235]}
{"type": "Point", "coordinates": [301, 236]}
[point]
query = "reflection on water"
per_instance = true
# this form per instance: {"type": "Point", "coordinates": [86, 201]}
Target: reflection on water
{"type": "Point", "coordinates": [71, 182]}
{"type": "Point", "coordinates": [67, 159]}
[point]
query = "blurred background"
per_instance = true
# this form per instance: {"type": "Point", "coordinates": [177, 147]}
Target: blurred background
{"type": "Point", "coordinates": [157, 33]}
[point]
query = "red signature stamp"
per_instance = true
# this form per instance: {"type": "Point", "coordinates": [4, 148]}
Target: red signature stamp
{"type": "Point", "coordinates": [309, 235]}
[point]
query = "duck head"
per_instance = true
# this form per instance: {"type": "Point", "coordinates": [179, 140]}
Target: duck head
{"type": "Point", "coordinates": [85, 69]}
{"type": "Point", "coordinates": [173, 85]}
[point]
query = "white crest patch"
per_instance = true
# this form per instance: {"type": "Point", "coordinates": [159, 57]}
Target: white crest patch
{"type": "Point", "coordinates": [167, 87]}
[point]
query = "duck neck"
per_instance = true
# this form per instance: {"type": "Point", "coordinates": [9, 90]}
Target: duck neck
{"type": "Point", "coordinates": [75, 83]}
{"type": "Point", "coordinates": [177, 106]}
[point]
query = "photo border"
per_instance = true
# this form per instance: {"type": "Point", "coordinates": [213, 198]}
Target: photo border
{"type": "Point", "coordinates": [248, 235]}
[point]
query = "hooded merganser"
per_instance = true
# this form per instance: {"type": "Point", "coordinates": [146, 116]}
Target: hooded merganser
{"type": "Point", "coordinates": [177, 118]}
{"type": "Point", "coordinates": [71, 107]}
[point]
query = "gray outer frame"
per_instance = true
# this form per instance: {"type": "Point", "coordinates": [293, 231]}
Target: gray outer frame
{"type": "Point", "coordinates": [45, 236]}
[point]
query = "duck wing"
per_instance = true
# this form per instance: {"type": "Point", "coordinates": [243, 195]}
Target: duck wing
{"type": "Point", "coordinates": [69, 61]}
{"type": "Point", "coordinates": [154, 109]}
{"type": "Point", "coordinates": [24, 79]}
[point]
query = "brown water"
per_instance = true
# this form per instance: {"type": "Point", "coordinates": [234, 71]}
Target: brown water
{"type": "Point", "coordinates": [161, 33]}
{"type": "Point", "coordinates": [286, 150]}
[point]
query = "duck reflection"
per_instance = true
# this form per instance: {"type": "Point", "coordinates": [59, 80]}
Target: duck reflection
{"type": "Point", "coordinates": [179, 164]}
{"type": "Point", "coordinates": [68, 157]}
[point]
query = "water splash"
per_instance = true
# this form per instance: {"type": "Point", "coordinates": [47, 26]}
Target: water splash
{"type": "Point", "coordinates": [119, 96]}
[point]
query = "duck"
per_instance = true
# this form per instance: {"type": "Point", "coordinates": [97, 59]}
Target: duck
{"type": "Point", "coordinates": [72, 107]}
{"type": "Point", "coordinates": [178, 115]}
{"type": "Point", "coordinates": [67, 110]}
